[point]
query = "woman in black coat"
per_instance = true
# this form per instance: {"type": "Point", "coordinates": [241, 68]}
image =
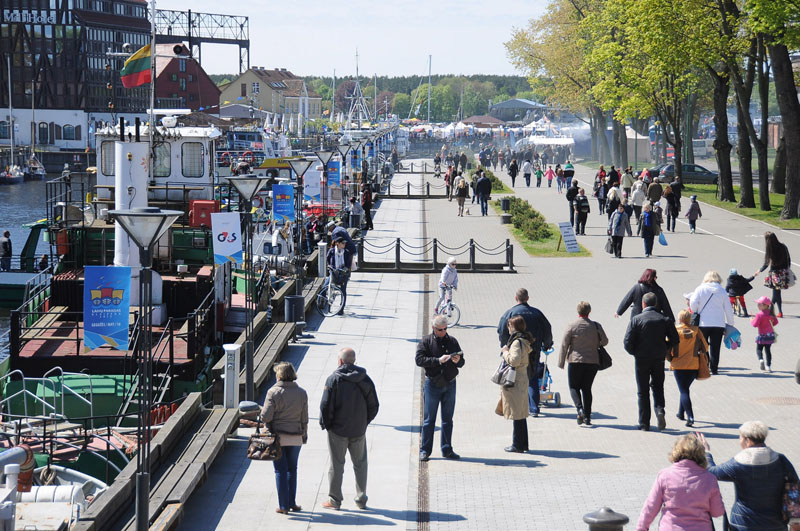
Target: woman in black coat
{"type": "Point", "coordinates": [779, 262]}
{"type": "Point", "coordinates": [633, 299]}
{"type": "Point", "coordinates": [513, 170]}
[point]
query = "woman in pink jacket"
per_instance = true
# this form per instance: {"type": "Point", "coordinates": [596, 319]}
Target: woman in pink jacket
{"type": "Point", "coordinates": [686, 493]}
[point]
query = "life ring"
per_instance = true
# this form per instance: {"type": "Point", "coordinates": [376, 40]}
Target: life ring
{"type": "Point", "coordinates": [258, 201]}
{"type": "Point", "coordinates": [248, 157]}
{"type": "Point", "coordinates": [225, 157]}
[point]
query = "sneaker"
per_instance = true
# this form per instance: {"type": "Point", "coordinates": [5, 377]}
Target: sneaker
{"type": "Point", "coordinates": [328, 505]}
{"type": "Point", "coordinates": [761, 364]}
{"type": "Point", "coordinates": [513, 449]}
{"type": "Point", "coordinates": [452, 455]}
{"type": "Point", "coordinates": [581, 416]}
{"type": "Point", "coordinates": [424, 456]}
{"type": "Point", "coordinates": [780, 314]}
{"type": "Point", "coordinates": [361, 505]}
{"type": "Point", "coordinates": [769, 368]}
{"type": "Point", "coordinates": [662, 421]}
{"type": "Point", "coordinates": [680, 417]}
{"type": "Point", "coordinates": [690, 423]}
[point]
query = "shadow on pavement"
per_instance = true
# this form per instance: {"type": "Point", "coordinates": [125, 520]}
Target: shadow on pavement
{"type": "Point", "coordinates": [492, 461]}
{"type": "Point", "coordinates": [411, 516]}
{"type": "Point", "coordinates": [343, 518]}
{"type": "Point", "coordinates": [564, 454]}
{"type": "Point", "coordinates": [772, 375]}
{"type": "Point", "coordinates": [474, 327]}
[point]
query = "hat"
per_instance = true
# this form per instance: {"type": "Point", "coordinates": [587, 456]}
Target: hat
{"type": "Point", "coordinates": [693, 198]}
{"type": "Point", "coordinates": [763, 300]}
{"type": "Point", "coordinates": [733, 271]}
{"type": "Point", "coordinates": [330, 225]}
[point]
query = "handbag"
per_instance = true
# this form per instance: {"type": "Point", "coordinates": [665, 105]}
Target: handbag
{"type": "Point", "coordinates": [264, 446]}
{"type": "Point", "coordinates": [505, 375]}
{"type": "Point", "coordinates": [662, 239]}
{"type": "Point", "coordinates": [695, 320]}
{"type": "Point", "coordinates": [703, 370]}
{"type": "Point", "coordinates": [602, 354]}
{"type": "Point", "coordinates": [609, 246]}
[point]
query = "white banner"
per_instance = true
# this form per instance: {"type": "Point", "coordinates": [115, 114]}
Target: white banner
{"type": "Point", "coordinates": [226, 227]}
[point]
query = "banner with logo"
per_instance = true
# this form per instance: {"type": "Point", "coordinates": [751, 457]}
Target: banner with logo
{"type": "Point", "coordinates": [283, 202]}
{"type": "Point", "coordinates": [312, 188]}
{"type": "Point", "coordinates": [106, 305]}
{"type": "Point", "coordinates": [334, 173]}
{"type": "Point", "coordinates": [226, 232]}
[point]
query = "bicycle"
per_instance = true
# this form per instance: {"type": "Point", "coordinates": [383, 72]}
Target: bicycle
{"type": "Point", "coordinates": [448, 308]}
{"type": "Point", "coordinates": [330, 300]}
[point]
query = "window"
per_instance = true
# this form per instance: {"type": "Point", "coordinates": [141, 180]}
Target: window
{"type": "Point", "coordinates": [163, 164]}
{"type": "Point", "coordinates": [256, 88]}
{"type": "Point", "coordinates": [174, 77]}
{"type": "Point", "coordinates": [183, 83]}
{"type": "Point", "coordinates": [4, 129]}
{"type": "Point", "coordinates": [44, 133]}
{"type": "Point", "coordinates": [182, 65]}
{"type": "Point", "coordinates": [68, 132]}
{"type": "Point", "coordinates": [192, 159]}
{"type": "Point", "coordinates": [107, 157]}
{"type": "Point", "coordinates": [244, 89]}
{"type": "Point", "coordinates": [190, 78]}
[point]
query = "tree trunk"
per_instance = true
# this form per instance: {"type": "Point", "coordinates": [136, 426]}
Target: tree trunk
{"type": "Point", "coordinates": [690, 128]}
{"type": "Point", "coordinates": [623, 146]}
{"type": "Point", "coordinates": [762, 66]}
{"type": "Point", "coordinates": [593, 129]}
{"type": "Point", "coordinates": [745, 161]}
{"type": "Point", "coordinates": [790, 116]}
{"type": "Point", "coordinates": [722, 145]}
{"type": "Point", "coordinates": [604, 151]}
{"type": "Point", "coordinates": [779, 171]}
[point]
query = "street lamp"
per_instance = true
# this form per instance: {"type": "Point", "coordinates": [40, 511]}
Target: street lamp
{"type": "Point", "coordinates": [299, 167]}
{"type": "Point", "coordinates": [144, 226]}
{"type": "Point", "coordinates": [324, 157]}
{"type": "Point", "coordinates": [248, 186]}
{"type": "Point", "coordinates": [343, 150]}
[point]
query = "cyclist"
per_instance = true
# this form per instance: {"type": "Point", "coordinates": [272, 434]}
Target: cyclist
{"type": "Point", "coordinates": [339, 258]}
{"type": "Point", "coordinates": [449, 278]}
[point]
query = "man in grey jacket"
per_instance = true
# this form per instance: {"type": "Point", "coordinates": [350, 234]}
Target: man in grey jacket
{"type": "Point", "coordinates": [349, 403]}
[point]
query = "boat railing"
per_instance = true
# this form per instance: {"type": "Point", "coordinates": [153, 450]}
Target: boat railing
{"type": "Point", "coordinates": [201, 325]}
{"type": "Point", "coordinates": [28, 324]}
{"type": "Point", "coordinates": [37, 289]}
{"type": "Point", "coordinates": [25, 393]}
{"type": "Point", "coordinates": [67, 389]}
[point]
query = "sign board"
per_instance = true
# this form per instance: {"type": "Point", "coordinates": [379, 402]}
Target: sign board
{"type": "Point", "coordinates": [334, 175]}
{"type": "Point", "coordinates": [283, 202]}
{"type": "Point", "coordinates": [312, 185]}
{"type": "Point", "coordinates": [106, 305]}
{"type": "Point", "coordinates": [225, 228]}
{"type": "Point", "coordinates": [568, 235]}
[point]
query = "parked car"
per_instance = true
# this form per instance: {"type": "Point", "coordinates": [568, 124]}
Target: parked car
{"type": "Point", "coordinates": [692, 174]}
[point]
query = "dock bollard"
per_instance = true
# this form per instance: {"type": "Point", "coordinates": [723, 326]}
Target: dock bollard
{"type": "Point", "coordinates": [408, 188]}
{"type": "Point", "coordinates": [428, 189]}
{"type": "Point", "coordinates": [397, 255]}
{"type": "Point", "coordinates": [435, 252]}
{"type": "Point", "coordinates": [322, 263]}
{"type": "Point", "coordinates": [605, 519]}
{"type": "Point", "coordinates": [471, 254]}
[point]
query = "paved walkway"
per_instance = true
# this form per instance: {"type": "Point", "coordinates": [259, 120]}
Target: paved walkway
{"type": "Point", "coordinates": [570, 470]}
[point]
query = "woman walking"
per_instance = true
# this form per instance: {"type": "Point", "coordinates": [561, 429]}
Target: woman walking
{"type": "Point", "coordinates": [646, 284]}
{"type": "Point", "coordinates": [648, 228]}
{"type": "Point", "coordinates": [515, 399]}
{"type": "Point", "coordinates": [759, 474]}
{"type": "Point", "coordinates": [673, 206]}
{"type": "Point", "coordinates": [600, 190]}
{"type": "Point", "coordinates": [285, 411]}
{"type": "Point", "coordinates": [686, 494]}
{"type": "Point", "coordinates": [513, 170]}
{"type": "Point", "coordinates": [618, 226]}
{"type": "Point", "coordinates": [711, 301]}
{"type": "Point", "coordinates": [527, 168]}
{"type": "Point", "coordinates": [461, 195]}
{"type": "Point", "coordinates": [638, 198]}
{"type": "Point", "coordinates": [777, 258]}
{"type": "Point", "coordinates": [579, 347]}
{"type": "Point", "coordinates": [686, 363]}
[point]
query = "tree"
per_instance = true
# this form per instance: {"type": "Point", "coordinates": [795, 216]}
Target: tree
{"type": "Point", "coordinates": [401, 105]}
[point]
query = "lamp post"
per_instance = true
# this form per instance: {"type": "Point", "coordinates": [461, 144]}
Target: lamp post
{"type": "Point", "coordinates": [324, 157]}
{"type": "Point", "coordinates": [299, 167]}
{"type": "Point", "coordinates": [343, 150]}
{"type": "Point", "coordinates": [144, 226]}
{"type": "Point", "coordinates": [356, 153]}
{"type": "Point", "coordinates": [248, 186]}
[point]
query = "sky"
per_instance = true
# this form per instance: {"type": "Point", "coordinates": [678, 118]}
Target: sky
{"type": "Point", "coordinates": [314, 37]}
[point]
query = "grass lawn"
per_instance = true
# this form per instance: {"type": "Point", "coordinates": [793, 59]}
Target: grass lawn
{"type": "Point", "coordinates": [505, 190]}
{"type": "Point", "coordinates": [706, 194]}
{"type": "Point", "coordinates": [544, 248]}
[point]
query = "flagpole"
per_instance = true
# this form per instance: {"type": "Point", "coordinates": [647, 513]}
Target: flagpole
{"type": "Point", "coordinates": [152, 157]}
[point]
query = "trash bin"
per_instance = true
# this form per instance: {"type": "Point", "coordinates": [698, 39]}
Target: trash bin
{"type": "Point", "coordinates": [294, 308]}
{"type": "Point", "coordinates": [505, 204]}
{"type": "Point", "coordinates": [355, 221]}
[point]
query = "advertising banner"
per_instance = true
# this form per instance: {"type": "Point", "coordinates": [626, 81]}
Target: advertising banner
{"type": "Point", "coordinates": [106, 305]}
{"type": "Point", "coordinates": [334, 173]}
{"type": "Point", "coordinates": [283, 202]}
{"type": "Point", "coordinates": [226, 230]}
{"type": "Point", "coordinates": [312, 189]}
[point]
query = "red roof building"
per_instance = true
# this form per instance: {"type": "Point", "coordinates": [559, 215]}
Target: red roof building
{"type": "Point", "coordinates": [181, 81]}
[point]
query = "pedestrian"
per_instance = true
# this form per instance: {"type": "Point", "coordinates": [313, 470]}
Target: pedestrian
{"type": "Point", "coordinates": [366, 204]}
{"type": "Point", "coordinates": [513, 170]}
{"type": "Point", "coordinates": [539, 327]}
{"type": "Point", "coordinates": [483, 189]}
{"type": "Point", "coordinates": [737, 286]}
{"type": "Point", "coordinates": [514, 400]}
{"type": "Point", "coordinates": [613, 199]}
{"type": "Point", "coordinates": [527, 168]}
{"type": "Point", "coordinates": [549, 174]}
{"type": "Point", "coordinates": [711, 301]}
{"type": "Point", "coordinates": [285, 411]}
{"type": "Point", "coordinates": [44, 262]}
{"type": "Point", "coordinates": [349, 403]}
{"type": "Point", "coordinates": [760, 475]}
{"type": "Point", "coordinates": [686, 494]}
{"type": "Point", "coordinates": [685, 364]}
{"type": "Point", "coordinates": [779, 277]}
{"type": "Point", "coordinates": [501, 158]}
{"type": "Point", "coordinates": [648, 338]}
{"type": "Point", "coordinates": [627, 206]}
{"type": "Point", "coordinates": [5, 251]}
{"type": "Point", "coordinates": [600, 189]}
{"type": "Point", "coordinates": [462, 192]}
{"type": "Point", "coordinates": [356, 213]}
{"type": "Point", "coordinates": [582, 209]}
{"type": "Point", "coordinates": [613, 177]}
{"type": "Point", "coordinates": [655, 191]}
{"type": "Point", "coordinates": [448, 181]}
{"type": "Point", "coordinates": [638, 199]}
{"type": "Point", "coordinates": [647, 283]}
{"type": "Point", "coordinates": [648, 229]}
{"type": "Point", "coordinates": [693, 214]}
{"type": "Point", "coordinates": [618, 226]}
{"type": "Point", "coordinates": [672, 207]}
{"type": "Point", "coordinates": [440, 355]}
{"type": "Point", "coordinates": [764, 321]}
{"type": "Point", "coordinates": [569, 173]}
{"type": "Point", "coordinates": [340, 263]}
{"type": "Point", "coordinates": [539, 175]}
{"type": "Point", "coordinates": [560, 178]}
{"type": "Point", "coordinates": [474, 184]}
{"type": "Point", "coordinates": [628, 180]}
{"type": "Point", "coordinates": [449, 278]}
{"type": "Point", "coordinates": [572, 193]}
{"type": "Point", "coordinates": [579, 347]}
{"type": "Point", "coordinates": [462, 160]}
{"type": "Point", "coordinates": [677, 189]}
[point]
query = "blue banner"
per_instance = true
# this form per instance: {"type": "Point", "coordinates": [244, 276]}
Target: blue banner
{"type": "Point", "coordinates": [371, 152]}
{"type": "Point", "coordinates": [334, 175]}
{"type": "Point", "coordinates": [106, 305]}
{"type": "Point", "coordinates": [283, 202]}
{"type": "Point", "coordinates": [354, 164]}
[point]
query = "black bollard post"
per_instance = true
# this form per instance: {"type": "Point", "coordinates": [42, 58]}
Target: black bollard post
{"type": "Point", "coordinates": [428, 189]}
{"type": "Point", "coordinates": [471, 254]}
{"type": "Point", "coordinates": [435, 252]}
{"type": "Point", "coordinates": [397, 254]}
{"type": "Point", "coordinates": [360, 251]}
{"type": "Point", "coordinates": [408, 188]}
{"type": "Point", "coordinates": [605, 519]}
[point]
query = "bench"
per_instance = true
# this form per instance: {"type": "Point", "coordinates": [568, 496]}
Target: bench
{"type": "Point", "coordinates": [310, 292]}
{"type": "Point", "coordinates": [267, 354]}
{"type": "Point", "coordinates": [45, 322]}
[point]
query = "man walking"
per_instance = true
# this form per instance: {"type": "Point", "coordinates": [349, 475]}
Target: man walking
{"type": "Point", "coordinates": [582, 209]}
{"type": "Point", "coordinates": [349, 403]}
{"type": "Point", "coordinates": [650, 334]}
{"type": "Point", "coordinates": [572, 193]}
{"type": "Point", "coordinates": [539, 327]}
{"type": "Point", "coordinates": [441, 357]}
{"type": "Point", "coordinates": [483, 188]}
{"type": "Point", "coordinates": [5, 252]}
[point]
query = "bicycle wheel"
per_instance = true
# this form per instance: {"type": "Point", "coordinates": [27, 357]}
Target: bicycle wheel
{"type": "Point", "coordinates": [453, 314]}
{"type": "Point", "coordinates": [329, 301]}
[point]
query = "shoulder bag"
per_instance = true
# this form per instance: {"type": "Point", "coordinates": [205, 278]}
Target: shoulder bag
{"type": "Point", "coordinates": [505, 375]}
{"type": "Point", "coordinates": [602, 353]}
{"type": "Point", "coordinates": [695, 320]}
{"type": "Point", "coordinates": [264, 446]}
{"type": "Point", "coordinates": [703, 371]}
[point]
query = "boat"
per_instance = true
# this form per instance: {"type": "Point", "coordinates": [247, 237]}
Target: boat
{"type": "Point", "coordinates": [13, 174]}
{"type": "Point", "coordinates": [25, 278]}
{"type": "Point", "coordinates": [34, 170]}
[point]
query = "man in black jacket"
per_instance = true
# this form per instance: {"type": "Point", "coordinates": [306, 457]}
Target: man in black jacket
{"type": "Point", "coordinates": [441, 357]}
{"type": "Point", "coordinates": [483, 189]}
{"type": "Point", "coordinates": [349, 403]}
{"type": "Point", "coordinates": [572, 193]}
{"type": "Point", "coordinates": [539, 327]}
{"type": "Point", "coordinates": [650, 334]}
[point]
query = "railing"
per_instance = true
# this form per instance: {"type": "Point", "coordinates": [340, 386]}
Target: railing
{"type": "Point", "coordinates": [420, 190]}
{"type": "Point", "coordinates": [25, 393]}
{"type": "Point", "coordinates": [65, 387]}
{"type": "Point", "coordinates": [201, 324]}
{"type": "Point", "coordinates": [432, 248]}
{"type": "Point", "coordinates": [36, 287]}
{"type": "Point", "coordinates": [23, 321]}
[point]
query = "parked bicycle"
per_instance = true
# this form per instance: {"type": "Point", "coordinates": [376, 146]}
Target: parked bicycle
{"type": "Point", "coordinates": [330, 300]}
{"type": "Point", "coordinates": [448, 308]}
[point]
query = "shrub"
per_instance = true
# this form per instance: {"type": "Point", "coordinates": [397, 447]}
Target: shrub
{"type": "Point", "coordinates": [528, 220]}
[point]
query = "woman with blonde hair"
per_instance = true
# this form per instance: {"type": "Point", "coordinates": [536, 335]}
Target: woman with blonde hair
{"type": "Point", "coordinates": [711, 301]}
{"type": "Point", "coordinates": [686, 494]}
{"type": "Point", "coordinates": [686, 363]}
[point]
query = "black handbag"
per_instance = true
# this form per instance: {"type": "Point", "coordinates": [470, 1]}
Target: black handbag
{"type": "Point", "coordinates": [264, 446]}
{"type": "Point", "coordinates": [695, 320]}
{"type": "Point", "coordinates": [602, 354]}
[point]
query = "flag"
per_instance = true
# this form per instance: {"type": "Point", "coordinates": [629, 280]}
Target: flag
{"type": "Point", "coordinates": [136, 70]}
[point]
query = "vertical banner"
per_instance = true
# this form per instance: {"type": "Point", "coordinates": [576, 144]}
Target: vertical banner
{"type": "Point", "coordinates": [371, 152]}
{"type": "Point", "coordinates": [226, 231]}
{"type": "Point", "coordinates": [106, 305]}
{"type": "Point", "coordinates": [334, 173]}
{"type": "Point", "coordinates": [312, 189]}
{"type": "Point", "coordinates": [354, 163]}
{"type": "Point", "coordinates": [283, 202]}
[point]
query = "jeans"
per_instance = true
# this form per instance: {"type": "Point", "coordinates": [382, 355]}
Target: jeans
{"type": "Point", "coordinates": [580, 226]}
{"type": "Point", "coordinates": [368, 218]}
{"type": "Point", "coordinates": [286, 476]}
{"type": "Point", "coordinates": [692, 224]}
{"type": "Point", "coordinates": [571, 214]}
{"type": "Point", "coordinates": [338, 447]}
{"type": "Point", "coordinates": [713, 335]}
{"type": "Point", "coordinates": [580, 377]}
{"type": "Point", "coordinates": [649, 374]}
{"type": "Point", "coordinates": [538, 182]}
{"type": "Point", "coordinates": [446, 396]}
{"type": "Point", "coordinates": [527, 179]}
{"type": "Point", "coordinates": [684, 379]}
{"type": "Point", "coordinates": [767, 350]}
{"type": "Point", "coordinates": [616, 243]}
{"type": "Point", "coordinates": [5, 263]}
{"type": "Point", "coordinates": [520, 437]}
{"type": "Point", "coordinates": [671, 221]}
{"type": "Point", "coordinates": [601, 205]}
{"type": "Point", "coordinates": [533, 396]}
{"type": "Point", "coordinates": [648, 244]}
{"type": "Point", "coordinates": [484, 201]}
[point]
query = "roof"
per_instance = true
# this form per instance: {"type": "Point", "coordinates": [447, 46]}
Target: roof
{"type": "Point", "coordinates": [518, 103]}
{"type": "Point", "coordinates": [163, 50]}
{"type": "Point", "coordinates": [294, 89]}
{"type": "Point", "coordinates": [237, 110]}
{"type": "Point", "coordinates": [275, 79]}
{"type": "Point", "coordinates": [116, 21]}
{"type": "Point", "coordinates": [483, 119]}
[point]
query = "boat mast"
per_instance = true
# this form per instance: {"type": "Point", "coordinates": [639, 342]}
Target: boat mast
{"type": "Point", "coordinates": [152, 157]}
{"type": "Point", "coordinates": [375, 96]}
{"type": "Point", "coordinates": [33, 119]}
{"type": "Point", "coordinates": [429, 87]}
{"type": "Point", "coordinates": [333, 99]}
{"type": "Point", "coordinates": [10, 112]}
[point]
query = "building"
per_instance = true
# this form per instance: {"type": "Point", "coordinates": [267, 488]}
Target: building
{"type": "Point", "coordinates": [181, 80]}
{"type": "Point", "coordinates": [483, 121]}
{"type": "Point", "coordinates": [517, 110]}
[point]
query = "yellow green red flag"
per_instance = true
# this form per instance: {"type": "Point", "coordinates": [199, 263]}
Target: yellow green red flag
{"type": "Point", "coordinates": [136, 70]}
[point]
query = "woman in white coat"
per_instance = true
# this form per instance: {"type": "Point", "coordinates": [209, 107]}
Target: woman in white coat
{"type": "Point", "coordinates": [711, 301]}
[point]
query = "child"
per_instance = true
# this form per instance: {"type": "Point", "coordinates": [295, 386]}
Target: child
{"type": "Point", "coordinates": [765, 322]}
{"type": "Point", "coordinates": [693, 213]}
{"type": "Point", "coordinates": [550, 174]}
{"type": "Point", "coordinates": [539, 176]}
{"type": "Point", "coordinates": [737, 286]}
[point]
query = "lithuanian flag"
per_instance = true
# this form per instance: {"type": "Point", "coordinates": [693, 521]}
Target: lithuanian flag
{"type": "Point", "coordinates": [136, 70]}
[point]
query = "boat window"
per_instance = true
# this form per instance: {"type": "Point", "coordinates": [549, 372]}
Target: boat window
{"type": "Point", "coordinates": [192, 159]}
{"type": "Point", "coordinates": [163, 164]}
{"type": "Point", "coordinates": [107, 157]}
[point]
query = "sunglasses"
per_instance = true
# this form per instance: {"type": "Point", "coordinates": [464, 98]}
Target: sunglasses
{"type": "Point", "coordinates": [440, 329]}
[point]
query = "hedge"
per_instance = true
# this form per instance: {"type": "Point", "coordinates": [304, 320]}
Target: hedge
{"type": "Point", "coordinates": [525, 218]}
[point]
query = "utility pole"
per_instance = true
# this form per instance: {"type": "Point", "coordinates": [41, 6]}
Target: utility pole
{"type": "Point", "coordinates": [333, 98]}
{"type": "Point", "coordinates": [430, 58]}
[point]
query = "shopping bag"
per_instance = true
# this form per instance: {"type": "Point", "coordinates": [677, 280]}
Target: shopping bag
{"type": "Point", "coordinates": [609, 246]}
{"type": "Point", "coordinates": [662, 240]}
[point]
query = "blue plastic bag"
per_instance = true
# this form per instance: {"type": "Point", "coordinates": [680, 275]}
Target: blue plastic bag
{"type": "Point", "coordinates": [662, 239]}
{"type": "Point", "coordinates": [733, 338]}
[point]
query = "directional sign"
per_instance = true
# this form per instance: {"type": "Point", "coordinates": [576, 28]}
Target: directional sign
{"type": "Point", "coordinates": [568, 235]}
